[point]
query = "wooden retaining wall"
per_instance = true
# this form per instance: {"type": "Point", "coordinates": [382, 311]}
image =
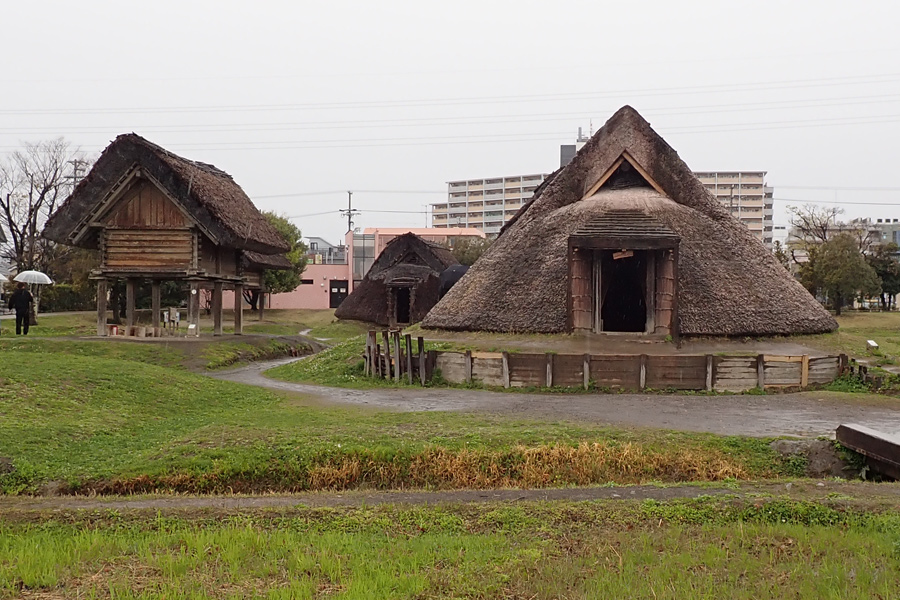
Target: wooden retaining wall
{"type": "Point", "coordinates": [392, 356]}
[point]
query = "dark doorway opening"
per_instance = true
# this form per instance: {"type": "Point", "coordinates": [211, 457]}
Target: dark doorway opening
{"type": "Point", "coordinates": [403, 305]}
{"type": "Point", "coordinates": [623, 279]}
{"type": "Point", "coordinates": [338, 292]}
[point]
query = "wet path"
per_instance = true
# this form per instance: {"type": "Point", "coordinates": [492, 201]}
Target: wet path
{"type": "Point", "coordinates": [801, 414]}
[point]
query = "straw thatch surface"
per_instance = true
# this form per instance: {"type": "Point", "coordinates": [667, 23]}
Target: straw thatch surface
{"type": "Point", "coordinates": [407, 260]}
{"type": "Point", "coordinates": [209, 195]}
{"type": "Point", "coordinates": [729, 283]}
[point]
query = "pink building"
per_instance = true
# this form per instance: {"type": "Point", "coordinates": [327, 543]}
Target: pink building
{"type": "Point", "coordinates": [333, 271]}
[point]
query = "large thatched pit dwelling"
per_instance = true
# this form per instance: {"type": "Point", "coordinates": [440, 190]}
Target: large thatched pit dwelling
{"type": "Point", "coordinates": [160, 217]}
{"type": "Point", "coordinates": [626, 239]}
{"type": "Point", "coordinates": [402, 285]}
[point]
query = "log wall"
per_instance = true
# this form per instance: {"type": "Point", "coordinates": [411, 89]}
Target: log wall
{"type": "Point", "coordinates": [165, 249]}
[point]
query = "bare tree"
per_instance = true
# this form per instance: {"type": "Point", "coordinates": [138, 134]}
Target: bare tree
{"type": "Point", "coordinates": [813, 225]}
{"type": "Point", "coordinates": [33, 183]}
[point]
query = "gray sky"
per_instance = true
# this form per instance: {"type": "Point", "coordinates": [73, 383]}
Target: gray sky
{"type": "Point", "coordinates": [392, 99]}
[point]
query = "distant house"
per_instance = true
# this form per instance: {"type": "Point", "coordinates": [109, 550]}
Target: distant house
{"type": "Point", "coordinates": [160, 217]}
{"type": "Point", "coordinates": [402, 285]}
{"type": "Point", "coordinates": [625, 238]}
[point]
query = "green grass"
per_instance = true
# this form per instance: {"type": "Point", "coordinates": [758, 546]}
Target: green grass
{"type": "Point", "coordinates": [105, 424]}
{"type": "Point", "coordinates": [858, 327]}
{"type": "Point", "coordinates": [55, 326]}
{"type": "Point", "coordinates": [693, 549]}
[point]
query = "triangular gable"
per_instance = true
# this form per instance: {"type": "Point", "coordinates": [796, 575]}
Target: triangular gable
{"type": "Point", "coordinates": [143, 205]}
{"type": "Point", "coordinates": [617, 168]}
{"type": "Point", "coordinates": [407, 249]}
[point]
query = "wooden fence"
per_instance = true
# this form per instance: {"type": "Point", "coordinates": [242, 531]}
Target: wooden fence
{"type": "Point", "coordinates": [395, 358]}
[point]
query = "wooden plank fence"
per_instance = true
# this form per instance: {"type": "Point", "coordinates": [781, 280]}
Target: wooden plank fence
{"type": "Point", "coordinates": [398, 358]}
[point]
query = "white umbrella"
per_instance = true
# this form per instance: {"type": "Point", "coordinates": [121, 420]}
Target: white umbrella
{"type": "Point", "coordinates": [32, 277]}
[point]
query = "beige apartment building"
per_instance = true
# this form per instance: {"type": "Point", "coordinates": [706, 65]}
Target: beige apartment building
{"type": "Point", "coordinates": [484, 204]}
{"type": "Point", "coordinates": [746, 195]}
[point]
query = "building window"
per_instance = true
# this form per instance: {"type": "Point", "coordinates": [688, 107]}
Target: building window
{"type": "Point", "coordinates": [306, 282]}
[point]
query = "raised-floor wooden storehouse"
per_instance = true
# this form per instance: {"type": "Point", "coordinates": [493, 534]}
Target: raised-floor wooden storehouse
{"type": "Point", "coordinates": [156, 216]}
{"type": "Point", "coordinates": [401, 286]}
{"type": "Point", "coordinates": [626, 239]}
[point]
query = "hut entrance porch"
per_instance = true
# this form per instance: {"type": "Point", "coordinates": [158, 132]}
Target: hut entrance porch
{"type": "Point", "coordinates": [400, 301]}
{"type": "Point", "coordinates": [622, 290]}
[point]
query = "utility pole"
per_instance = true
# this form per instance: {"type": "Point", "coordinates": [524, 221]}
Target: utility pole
{"type": "Point", "coordinates": [349, 212]}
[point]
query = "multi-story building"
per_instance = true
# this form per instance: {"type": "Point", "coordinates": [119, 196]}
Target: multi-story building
{"type": "Point", "coordinates": [484, 204]}
{"type": "Point", "coordinates": [746, 195]}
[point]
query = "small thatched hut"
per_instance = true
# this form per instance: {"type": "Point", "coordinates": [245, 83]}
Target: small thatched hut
{"type": "Point", "coordinates": [160, 217]}
{"type": "Point", "coordinates": [402, 285]}
{"type": "Point", "coordinates": [625, 238]}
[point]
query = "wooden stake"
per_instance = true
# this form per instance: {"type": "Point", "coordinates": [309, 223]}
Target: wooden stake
{"type": "Point", "coordinates": [761, 371]}
{"type": "Point", "coordinates": [505, 361]}
{"type": "Point", "coordinates": [421, 344]}
{"type": "Point", "coordinates": [398, 358]}
{"type": "Point", "coordinates": [468, 366]}
{"type": "Point", "coordinates": [387, 354]}
{"type": "Point", "coordinates": [709, 372]}
{"type": "Point", "coordinates": [586, 371]}
{"type": "Point", "coordinates": [804, 371]}
{"type": "Point", "coordinates": [549, 381]}
{"type": "Point", "coordinates": [409, 369]}
{"type": "Point", "coordinates": [643, 382]}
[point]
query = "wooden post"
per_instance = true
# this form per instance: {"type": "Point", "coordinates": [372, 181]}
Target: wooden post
{"type": "Point", "coordinates": [842, 363]}
{"type": "Point", "coordinates": [586, 371]}
{"type": "Point", "coordinates": [367, 356]}
{"type": "Point", "coordinates": [505, 361]}
{"type": "Point", "coordinates": [468, 366]}
{"type": "Point", "coordinates": [421, 343]}
{"type": "Point", "coordinates": [155, 304]}
{"type": "Point", "coordinates": [804, 371]}
{"type": "Point", "coordinates": [709, 372]}
{"type": "Point", "coordinates": [430, 362]}
{"type": "Point", "coordinates": [643, 382]}
{"type": "Point", "coordinates": [409, 370]}
{"type": "Point", "coordinates": [129, 305]}
{"type": "Point", "coordinates": [217, 308]}
{"type": "Point", "coordinates": [761, 371]}
{"type": "Point", "coordinates": [378, 366]}
{"type": "Point", "coordinates": [387, 354]}
{"type": "Point", "coordinates": [194, 305]}
{"type": "Point", "coordinates": [262, 303]}
{"type": "Point", "coordinates": [101, 308]}
{"type": "Point", "coordinates": [549, 380]}
{"type": "Point", "coordinates": [238, 309]}
{"type": "Point", "coordinates": [398, 358]}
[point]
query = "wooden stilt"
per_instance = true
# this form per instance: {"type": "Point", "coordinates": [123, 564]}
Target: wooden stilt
{"type": "Point", "coordinates": [101, 307]}
{"type": "Point", "coordinates": [194, 305]}
{"type": "Point", "coordinates": [238, 309]}
{"type": "Point", "coordinates": [155, 304]}
{"type": "Point", "coordinates": [129, 305]}
{"type": "Point", "coordinates": [217, 308]}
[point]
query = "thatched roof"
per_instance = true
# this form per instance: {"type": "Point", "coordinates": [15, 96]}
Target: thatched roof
{"type": "Point", "coordinates": [208, 194]}
{"type": "Point", "coordinates": [729, 283]}
{"type": "Point", "coordinates": [277, 262]}
{"type": "Point", "coordinates": [407, 261]}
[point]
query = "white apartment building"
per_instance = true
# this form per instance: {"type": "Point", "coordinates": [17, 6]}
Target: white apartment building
{"type": "Point", "coordinates": [747, 196]}
{"type": "Point", "coordinates": [484, 204]}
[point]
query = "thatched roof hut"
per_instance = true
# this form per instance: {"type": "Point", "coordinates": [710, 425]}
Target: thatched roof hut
{"type": "Point", "coordinates": [626, 238]}
{"type": "Point", "coordinates": [402, 285]}
{"type": "Point", "coordinates": [156, 216]}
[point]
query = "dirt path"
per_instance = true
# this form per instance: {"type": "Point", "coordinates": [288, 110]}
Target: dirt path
{"type": "Point", "coordinates": [802, 414]}
{"type": "Point", "coordinates": [884, 493]}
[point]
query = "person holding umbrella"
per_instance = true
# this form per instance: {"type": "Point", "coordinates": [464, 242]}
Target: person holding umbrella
{"type": "Point", "coordinates": [21, 300]}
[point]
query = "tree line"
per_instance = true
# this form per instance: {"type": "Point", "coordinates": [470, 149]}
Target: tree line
{"type": "Point", "coordinates": [840, 261]}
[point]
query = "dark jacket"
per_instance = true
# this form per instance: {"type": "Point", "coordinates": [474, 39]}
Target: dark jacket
{"type": "Point", "coordinates": [21, 300]}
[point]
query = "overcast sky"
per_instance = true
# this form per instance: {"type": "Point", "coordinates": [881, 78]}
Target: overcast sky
{"type": "Point", "coordinates": [302, 101]}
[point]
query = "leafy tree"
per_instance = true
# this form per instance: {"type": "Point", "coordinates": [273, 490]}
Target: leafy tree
{"type": "Point", "coordinates": [883, 259]}
{"type": "Point", "coordinates": [279, 281]}
{"type": "Point", "coordinates": [781, 255]}
{"type": "Point", "coordinates": [842, 271]}
{"type": "Point", "coordinates": [467, 249]}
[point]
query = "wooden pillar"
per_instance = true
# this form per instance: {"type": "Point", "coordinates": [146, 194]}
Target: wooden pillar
{"type": "Point", "coordinates": [468, 366]}
{"type": "Point", "coordinates": [761, 371]}
{"type": "Point", "coordinates": [129, 304]}
{"type": "Point", "coordinates": [804, 371]}
{"type": "Point", "coordinates": [238, 309]}
{"type": "Point", "coordinates": [709, 373]}
{"type": "Point", "coordinates": [217, 308]}
{"type": "Point", "coordinates": [421, 344]}
{"type": "Point", "coordinates": [504, 361]}
{"type": "Point", "coordinates": [387, 354]}
{"type": "Point", "coordinates": [194, 308]}
{"type": "Point", "coordinates": [643, 381]}
{"type": "Point", "coordinates": [548, 382]}
{"type": "Point", "coordinates": [262, 303]}
{"type": "Point", "coordinates": [155, 303]}
{"type": "Point", "coordinates": [398, 358]}
{"type": "Point", "coordinates": [586, 370]}
{"type": "Point", "coordinates": [101, 307]}
{"type": "Point", "coordinates": [407, 339]}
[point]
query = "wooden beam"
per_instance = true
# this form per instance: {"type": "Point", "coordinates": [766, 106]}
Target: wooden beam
{"type": "Point", "coordinates": [155, 303]}
{"type": "Point", "coordinates": [217, 308]}
{"type": "Point", "coordinates": [238, 309]}
{"type": "Point", "coordinates": [101, 307]}
{"type": "Point", "coordinates": [129, 305]}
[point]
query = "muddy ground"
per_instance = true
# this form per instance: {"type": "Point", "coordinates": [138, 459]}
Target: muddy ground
{"type": "Point", "coordinates": [804, 414]}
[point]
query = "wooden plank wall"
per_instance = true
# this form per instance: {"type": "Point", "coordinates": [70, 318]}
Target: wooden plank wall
{"type": "Point", "coordinates": [735, 373]}
{"type": "Point", "coordinates": [824, 369]}
{"type": "Point", "coordinates": [144, 206]}
{"type": "Point", "coordinates": [676, 372]}
{"type": "Point", "coordinates": [487, 367]}
{"type": "Point", "coordinates": [148, 248]}
{"type": "Point", "coordinates": [527, 370]}
{"type": "Point", "coordinates": [568, 370]}
{"type": "Point", "coordinates": [623, 372]}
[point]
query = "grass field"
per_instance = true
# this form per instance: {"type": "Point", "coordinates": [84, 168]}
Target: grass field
{"type": "Point", "coordinates": [88, 419]}
{"type": "Point", "coordinates": [684, 549]}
